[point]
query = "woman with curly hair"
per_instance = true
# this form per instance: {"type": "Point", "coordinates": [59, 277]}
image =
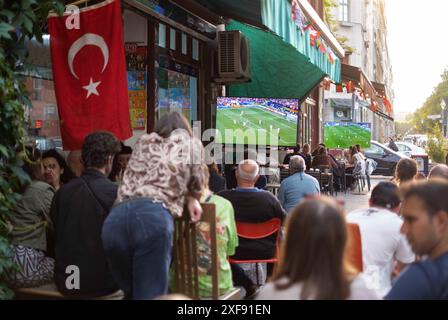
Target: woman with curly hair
{"type": "Point", "coordinates": [162, 177]}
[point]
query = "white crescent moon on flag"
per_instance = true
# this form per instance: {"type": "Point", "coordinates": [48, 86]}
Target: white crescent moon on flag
{"type": "Point", "coordinates": [87, 39]}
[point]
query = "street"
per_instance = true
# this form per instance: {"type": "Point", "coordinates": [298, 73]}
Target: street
{"type": "Point", "coordinates": [354, 200]}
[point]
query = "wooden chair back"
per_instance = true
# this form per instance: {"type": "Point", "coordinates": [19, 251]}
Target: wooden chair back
{"type": "Point", "coordinates": [185, 254]}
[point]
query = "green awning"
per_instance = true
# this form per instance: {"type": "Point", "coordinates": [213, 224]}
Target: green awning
{"type": "Point", "coordinates": [276, 15]}
{"type": "Point", "coordinates": [243, 10]}
{"type": "Point", "coordinates": [278, 70]}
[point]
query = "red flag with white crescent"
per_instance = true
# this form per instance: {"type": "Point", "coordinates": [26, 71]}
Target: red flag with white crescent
{"type": "Point", "coordinates": [89, 73]}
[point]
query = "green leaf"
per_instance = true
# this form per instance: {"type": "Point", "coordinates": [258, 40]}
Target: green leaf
{"type": "Point", "coordinates": [7, 13]}
{"type": "Point", "coordinates": [5, 29]}
{"type": "Point", "coordinates": [28, 23]}
{"type": "Point", "coordinates": [4, 150]}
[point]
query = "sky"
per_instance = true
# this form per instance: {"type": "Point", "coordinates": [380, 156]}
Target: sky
{"type": "Point", "coordinates": [418, 49]}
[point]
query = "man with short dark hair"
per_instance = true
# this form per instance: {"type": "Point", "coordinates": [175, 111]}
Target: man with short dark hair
{"type": "Point", "coordinates": [425, 213]}
{"type": "Point", "coordinates": [78, 212]}
{"type": "Point", "coordinates": [382, 244]}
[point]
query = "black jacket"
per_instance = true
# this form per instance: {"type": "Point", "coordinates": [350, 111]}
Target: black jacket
{"type": "Point", "coordinates": [254, 207]}
{"type": "Point", "coordinates": [78, 212]}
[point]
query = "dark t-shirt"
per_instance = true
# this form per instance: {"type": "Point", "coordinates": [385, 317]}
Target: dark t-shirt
{"type": "Point", "coordinates": [425, 280]}
{"type": "Point", "coordinates": [216, 182]}
{"type": "Point", "coordinates": [254, 205]}
{"type": "Point", "coordinates": [78, 215]}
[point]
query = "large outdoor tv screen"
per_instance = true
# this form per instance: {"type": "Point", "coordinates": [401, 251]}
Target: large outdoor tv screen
{"type": "Point", "coordinates": [254, 121]}
{"type": "Point", "coordinates": [341, 135]}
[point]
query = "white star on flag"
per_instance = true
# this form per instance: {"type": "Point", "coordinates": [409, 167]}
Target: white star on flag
{"type": "Point", "coordinates": [91, 88]}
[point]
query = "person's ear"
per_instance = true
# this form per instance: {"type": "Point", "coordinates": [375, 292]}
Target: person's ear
{"type": "Point", "coordinates": [441, 220]}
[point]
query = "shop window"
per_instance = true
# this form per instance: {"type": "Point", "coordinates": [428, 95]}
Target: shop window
{"type": "Point", "coordinates": [177, 87]}
{"type": "Point", "coordinates": [173, 39]}
{"type": "Point", "coordinates": [184, 44]}
{"type": "Point", "coordinates": [162, 35]}
{"type": "Point", "coordinates": [195, 48]}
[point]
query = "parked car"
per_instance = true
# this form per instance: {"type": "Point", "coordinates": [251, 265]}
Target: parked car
{"type": "Point", "coordinates": [415, 152]}
{"type": "Point", "coordinates": [385, 157]}
{"type": "Point", "coordinates": [409, 149]}
{"type": "Point", "coordinates": [45, 143]}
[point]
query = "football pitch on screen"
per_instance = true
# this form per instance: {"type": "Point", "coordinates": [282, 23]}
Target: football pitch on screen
{"type": "Point", "coordinates": [346, 136]}
{"type": "Point", "coordinates": [255, 118]}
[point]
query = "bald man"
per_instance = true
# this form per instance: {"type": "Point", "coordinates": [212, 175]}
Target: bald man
{"type": "Point", "coordinates": [440, 171]}
{"type": "Point", "coordinates": [252, 205]}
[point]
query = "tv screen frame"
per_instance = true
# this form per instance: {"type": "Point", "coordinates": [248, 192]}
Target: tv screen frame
{"type": "Point", "coordinates": [347, 140]}
{"type": "Point", "coordinates": [270, 113]}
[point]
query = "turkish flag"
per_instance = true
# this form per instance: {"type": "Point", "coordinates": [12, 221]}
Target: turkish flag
{"type": "Point", "coordinates": [89, 73]}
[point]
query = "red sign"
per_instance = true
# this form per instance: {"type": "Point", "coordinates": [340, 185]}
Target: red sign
{"type": "Point", "coordinates": [90, 74]}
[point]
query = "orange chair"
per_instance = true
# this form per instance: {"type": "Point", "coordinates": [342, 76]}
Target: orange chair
{"type": "Point", "coordinates": [256, 231]}
{"type": "Point", "coordinates": [354, 247]}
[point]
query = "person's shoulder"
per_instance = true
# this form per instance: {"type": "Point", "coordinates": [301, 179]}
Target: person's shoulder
{"type": "Point", "coordinates": [41, 186]}
{"type": "Point", "coordinates": [356, 214]}
{"type": "Point", "coordinates": [221, 201]}
{"type": "Point", "coordinates": [310, 177]}
{"type": "Point", "coordinates": [225, 193]}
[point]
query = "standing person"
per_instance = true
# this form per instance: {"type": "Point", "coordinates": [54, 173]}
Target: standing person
{"type": "Point", "coordinates": [298, 185]}
{"type": "Point", "coordinates": [312, 265]}
{"type": "Point", "coordinates": [78, 212]}
{"type": "Point", "coordinates": [56, 171]}
{"type": "Point", "coordinates": [74, 162]}
{"type": "Point", "coordinates": [392, 145]}
{"type": "Point", "coordinates": [425, 213]}
{"type": "Point", "coordinates": [163, 176]}
{"type": "Point", "coordinates": [30, 220]}
{"type": "Point", "coordinates": [382, 244]}
{"type": "Point", "coordinates": [406, 171]}
{"type": "Point", "coordinates": [306, 153]}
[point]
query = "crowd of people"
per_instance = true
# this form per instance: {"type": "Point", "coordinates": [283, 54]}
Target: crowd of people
{"type": "Point", "coordinates": [110, 211]}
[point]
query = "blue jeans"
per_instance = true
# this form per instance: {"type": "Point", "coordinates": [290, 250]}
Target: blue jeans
{"type": "Point", "coordinates": [137, 238]}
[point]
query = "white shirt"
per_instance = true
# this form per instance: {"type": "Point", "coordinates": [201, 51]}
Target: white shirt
{"type": "Point", "coordinates": [358, 291]}
{"type": "Point", "coordinates": [382, 244]}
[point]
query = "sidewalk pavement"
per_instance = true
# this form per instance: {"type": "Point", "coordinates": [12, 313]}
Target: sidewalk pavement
{"type": "Point", "coordinates": [355, 200]}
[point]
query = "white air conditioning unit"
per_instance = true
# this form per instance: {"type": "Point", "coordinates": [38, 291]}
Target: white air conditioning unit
{"type": "Point", "coordinates": [233, 57]}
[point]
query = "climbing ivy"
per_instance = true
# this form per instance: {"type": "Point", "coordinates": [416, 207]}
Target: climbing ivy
{"type": "Point", "coordinates": [20, 20]}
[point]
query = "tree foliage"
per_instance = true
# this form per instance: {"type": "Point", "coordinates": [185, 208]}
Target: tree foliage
{"type": "Point", "coordinates": [431, 106]}
{"type": "Point", "coordinates": [19, 22]}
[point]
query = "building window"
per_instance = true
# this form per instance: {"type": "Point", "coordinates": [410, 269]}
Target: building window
{"type": "Point", "coordinates": [177, 89]}
{"type": "Point", "coordinates": [162, 35]}
{"type": "Point", "coordinates": [343, 10]}
{"type": "Point", "coordinates": [50, 112]}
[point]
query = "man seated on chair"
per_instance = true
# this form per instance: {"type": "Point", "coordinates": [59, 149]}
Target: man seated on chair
{"type": "Point", "coordinates": [78, 212]}
{"type": "Point", "coordinates": [254, 206]}
{"type": "Point", "coordinates": [298, 185]}
{"type": "Point", "coordinates": [382, 244]}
